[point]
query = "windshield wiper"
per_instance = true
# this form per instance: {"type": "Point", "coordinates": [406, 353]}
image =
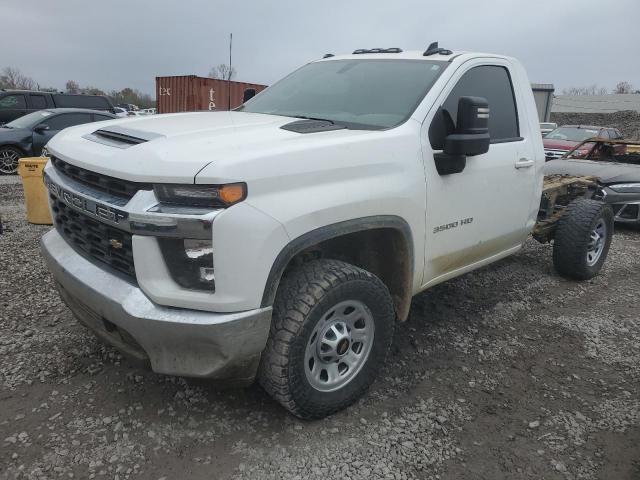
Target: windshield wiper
{"type": "Point", "coordinates": [332, 122]}
{"type": "Point", "coordinates": [341, 123]}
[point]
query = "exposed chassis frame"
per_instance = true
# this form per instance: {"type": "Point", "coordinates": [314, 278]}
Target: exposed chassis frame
{"type": "Point", "coordinates": [558, 192]}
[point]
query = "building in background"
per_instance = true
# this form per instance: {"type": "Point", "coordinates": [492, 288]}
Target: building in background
{"type": "Point", "coordinates": [190, 93]}
{"type": "Point", "coordinates": [543, 95]}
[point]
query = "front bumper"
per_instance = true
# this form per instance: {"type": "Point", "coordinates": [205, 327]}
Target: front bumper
{"type": "Point", "coordinates": [175, 341]}
{"type": "Point", "coordinates": [626, 206]}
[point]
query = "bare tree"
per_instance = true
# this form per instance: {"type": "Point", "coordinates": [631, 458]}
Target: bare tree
{"type": "Point", "coordinates": [135, 97]}
{"type": "Point", "coordinates": [623, 87]}
{"type": "Point", "coordinates": [72, 87]}
{"type": "Point", "coordinates": [92, 91]}
{"type": "Point", "coordinates": [14, 79]}
{"type": "Point", "coordinates": [222, 72]}
{"type": "Point", "coordinates": [589, 90]}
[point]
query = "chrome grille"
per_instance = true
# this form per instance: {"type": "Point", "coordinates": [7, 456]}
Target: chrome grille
{"type": "Point", "coordinates": [551, 153]}
{"type": "Point", "coordinates": [94, 239]}
{"type": "Point", "coordinates": [104, 183]}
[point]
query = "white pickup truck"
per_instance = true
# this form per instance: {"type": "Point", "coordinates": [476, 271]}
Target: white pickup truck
{"type": "Point", "coordinates": [282, 241]}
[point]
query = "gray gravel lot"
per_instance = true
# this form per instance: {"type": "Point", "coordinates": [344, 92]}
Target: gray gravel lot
{"type": "Point", "coordinates": [627, 121]}
{"type": "Point", "coordinates": [510, 372]}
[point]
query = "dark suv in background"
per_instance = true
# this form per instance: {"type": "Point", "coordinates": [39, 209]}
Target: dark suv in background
{"type": "Point", "coordinates": [25, 136]}
{"type": "Point", "coordinates": [16, 103]}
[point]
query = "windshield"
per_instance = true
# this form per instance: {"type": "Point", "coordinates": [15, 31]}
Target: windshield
{"type": "Point", "coordinates": [29, 120]}
{"type": "Point", "coordinates": [573, 134]}
{"type": "Point", "coordinates": [370, 94]}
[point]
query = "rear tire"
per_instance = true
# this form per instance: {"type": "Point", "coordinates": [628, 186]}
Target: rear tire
{"type": "Point", "coordinates": [9, 157]}
{"type": "Point", "coordinates": [330, 334]}
{"type": "Point", "coordinates": [582, 240]}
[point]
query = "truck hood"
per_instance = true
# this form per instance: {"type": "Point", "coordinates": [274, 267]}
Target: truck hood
{"type": "Point", "coordinates": [559, 144]}
{"type": "Point", "coordinates": [175, 147]}
{"type": "Point", "coordinates": [607, 172]}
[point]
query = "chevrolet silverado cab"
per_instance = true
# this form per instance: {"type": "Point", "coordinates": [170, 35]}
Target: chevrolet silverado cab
{"type": "Point", "coordinates": [282, 241]}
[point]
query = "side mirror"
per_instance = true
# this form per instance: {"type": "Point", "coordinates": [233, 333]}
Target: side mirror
{"type": "Point", "coordinates": [248, 94]}
{"type": "Point", "coordinates": [471, 136]}
{"type": "Point", "coordinates": [43, 127]}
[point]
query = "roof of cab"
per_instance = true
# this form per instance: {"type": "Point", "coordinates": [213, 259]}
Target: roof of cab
{"type": "Point", "coordinates": [408, 55]}
{"type": "Point", "coordinates": [405, 55]}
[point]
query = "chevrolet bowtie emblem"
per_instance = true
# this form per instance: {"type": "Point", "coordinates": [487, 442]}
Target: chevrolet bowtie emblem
{"type": "Point", "coordinates": [115, 243]}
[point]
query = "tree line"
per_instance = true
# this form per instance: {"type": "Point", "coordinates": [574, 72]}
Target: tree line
{"type": "Point", "coordinates": [12, 79]}
{"type": "Point", "coordinates": [621, 87]}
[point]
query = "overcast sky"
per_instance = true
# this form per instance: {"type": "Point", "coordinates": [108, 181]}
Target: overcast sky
{"type": "Point", "coordinates": [114, 44]}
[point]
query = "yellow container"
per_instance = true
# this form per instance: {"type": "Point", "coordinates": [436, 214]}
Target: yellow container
{"type": "Point", "coordinates": [35, 193]}
{"type": "Point", "coordinates": [633, 148]}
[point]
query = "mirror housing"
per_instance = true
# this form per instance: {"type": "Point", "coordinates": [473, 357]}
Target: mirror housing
{"type": "Point", "coordinates": [43, 127]}
{"type": "Point", "coordinates": [248, 94]}
{"type": "Point", "coordinates": [471, 136]}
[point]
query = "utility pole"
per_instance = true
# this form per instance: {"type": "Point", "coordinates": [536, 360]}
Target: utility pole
{"type": "Point", "coordinates": [229, 74]}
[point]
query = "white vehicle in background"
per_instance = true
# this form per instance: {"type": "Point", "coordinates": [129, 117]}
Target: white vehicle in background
{"type": "Point", "coordinates": [120, 112]}
{"type": "Point", "coordinates": [283, 241]}
{"type": "Point", "coordinates": [546, 127]}
{"type": "Point", "coordinates": [149, 111]}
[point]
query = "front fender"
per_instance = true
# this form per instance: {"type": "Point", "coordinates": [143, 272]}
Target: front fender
{"type": "Point", "coordinates": [327, 232]}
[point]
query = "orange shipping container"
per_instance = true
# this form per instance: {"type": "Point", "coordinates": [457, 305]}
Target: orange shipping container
{"type": "Point", "coordinates": [189, 93]}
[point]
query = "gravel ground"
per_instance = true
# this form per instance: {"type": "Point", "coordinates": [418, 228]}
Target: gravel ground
{"type": "Point", "coordinates": [9, 179]}
{"type": "Point", "coordinates": [510, 372]}
{"type": "Point", "coordinates": [627, 121]}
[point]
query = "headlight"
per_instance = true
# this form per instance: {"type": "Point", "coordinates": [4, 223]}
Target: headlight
{"type": "Point", "coordinates": [213, 196]}
{"type": "Point", "coordinates": [626, 188]}
{"type": "Point", "coordinates": [190, 262]}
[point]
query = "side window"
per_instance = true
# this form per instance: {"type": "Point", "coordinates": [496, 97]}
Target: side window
{"type": "Point", "coordinates": [68, 120]}
{"type": "Point", "coordinates": [100, 118]}
{"type": "Point", "coordinates": [493, 83]}
{"type": "Point", "coordinates": [38, 102]}
{"type": "Point", "coordinates": [82, 101]}
{"type": "Point", "coordinates": [13, 102]}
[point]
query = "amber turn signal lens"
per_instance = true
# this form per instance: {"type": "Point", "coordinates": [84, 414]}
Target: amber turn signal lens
{"type": "Point", "coordinates": [232, 193]}
{"type": "Point", "coordinates": [211, 196]}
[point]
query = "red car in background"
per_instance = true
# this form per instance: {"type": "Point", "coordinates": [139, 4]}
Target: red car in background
{"type": "Point", "coordinates": [565, 138]}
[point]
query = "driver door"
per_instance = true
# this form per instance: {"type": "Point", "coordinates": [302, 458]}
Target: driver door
{"type": "Point", "coordinates": [484, 212]}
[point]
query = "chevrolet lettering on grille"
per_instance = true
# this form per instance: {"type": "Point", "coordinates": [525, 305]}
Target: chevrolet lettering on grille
{"type": "Point", "coordinates": [84, 204]}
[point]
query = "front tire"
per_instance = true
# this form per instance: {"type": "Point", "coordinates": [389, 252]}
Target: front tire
{"type": "Point", "coordinates": [582, 240]}
{"type": "Point", "coordinates": [9, 157]}
{"type": "Point", "coordinates": [330, 334]}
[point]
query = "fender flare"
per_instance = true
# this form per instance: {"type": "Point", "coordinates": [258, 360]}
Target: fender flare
{"type": "Point", "coordinates": [328, 232]}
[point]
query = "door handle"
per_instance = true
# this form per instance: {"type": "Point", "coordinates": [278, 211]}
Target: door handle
{"type": "Point", "coordinates": [524, 163]}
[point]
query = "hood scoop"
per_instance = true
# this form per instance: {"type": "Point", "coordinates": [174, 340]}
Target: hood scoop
{"type": "Point", "coordinates": [312, 126]}
{"type": "Point", "coordinates": [121, 137]}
